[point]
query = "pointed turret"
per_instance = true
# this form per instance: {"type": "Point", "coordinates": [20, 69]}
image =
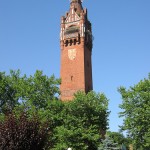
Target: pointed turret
{"type": "Point", "coordinates": [76, 5]}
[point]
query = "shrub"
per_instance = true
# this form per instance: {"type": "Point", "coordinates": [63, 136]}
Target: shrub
{"type": "Point", "coordinates": [23, 133]}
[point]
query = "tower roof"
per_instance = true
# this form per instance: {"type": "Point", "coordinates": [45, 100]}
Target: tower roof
{"type": "Point", "coordinates": [75, 0]}
{"type": "Point", "coordinates": [77, 5]}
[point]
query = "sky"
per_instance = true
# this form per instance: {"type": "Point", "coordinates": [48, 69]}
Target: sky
{"type": "Point", "coordinates": [29, 41]}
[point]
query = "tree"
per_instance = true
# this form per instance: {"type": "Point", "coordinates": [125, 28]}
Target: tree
{"type": "Point", "coordinates": [108, 144]}
{"type": "Point", "coordinates": [16, 89]}
{"type": "Point", "coordinates": [85, 118]}
{"type": "Point", "coordinates": [78, 124]}
{"type": "Point", "coordinates": [23, 132]}
{"type": "Point", "coordinates": [119, 138]}
{"type": "Point", "coordinates": [136, 112]}
{"type": "Point", "coordinates": [8, 91]}
{"type": "Point", "coordinates": [39, 89]}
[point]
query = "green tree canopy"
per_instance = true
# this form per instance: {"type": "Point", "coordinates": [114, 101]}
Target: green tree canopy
{"type": "Point", "coordinates": [8, 92]}
{"type": "Point", "coordinates": [79, 123]}
{"type": "Point", "coordinates": [108, 144]}
{"type": "Point", "coordinates": [136, 112]}
{"type": "Point", "coordinates": [119, 138]}
{"type": "Point", "coordinates": [37, 89]}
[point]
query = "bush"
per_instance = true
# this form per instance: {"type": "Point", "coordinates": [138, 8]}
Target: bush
{"type": "Point", "coordinates": [23, 133]}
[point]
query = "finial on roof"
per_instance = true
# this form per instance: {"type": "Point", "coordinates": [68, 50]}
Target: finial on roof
{"type": "Point", "coordinates": [77, 5]}
{"type": "Point", "coordinates": [76, 1]}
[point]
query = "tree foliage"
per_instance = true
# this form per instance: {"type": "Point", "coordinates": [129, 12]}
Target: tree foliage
{"type": "Point", "coordinates": [108, 144]}
{"type": "Point", "coordinates": [37, 89]}
{"type": "Point", "coordinates": [136, 112]}
{"type": "Point", "coordinates": [84, 120]}
{"type": "Point", "coordinates": [8, 91]}
{"type": "Point", "coordinates": [119, 138]}
{"type": "Point", "coordinates": [79, 123]}
{"type": "Point", "coordinates": [23, 132]}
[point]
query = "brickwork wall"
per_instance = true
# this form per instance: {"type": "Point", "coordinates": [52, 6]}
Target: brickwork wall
{"type": "Point", "coordinates": [76, 71]}
{"type": "Point", "coordinates": [88, 69]}
{"type": "Point", "coordinates": [72, 71]}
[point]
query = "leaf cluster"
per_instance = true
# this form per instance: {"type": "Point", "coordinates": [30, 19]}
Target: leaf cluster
{"type": "Point", "coordinates": [136, 111]}
{"type": "Point", "coordinates": [119, 138]}
{"type": "Point", "coordinates": [108, 144]}
{"type": "Point", "coordinates": [79, 124]}
{"type": "Point", "coordinates": [21, 132]}
{"type": "Point", "coordinates": [16, 89]}
{"type": "Point", "coordinates": [82, 122]}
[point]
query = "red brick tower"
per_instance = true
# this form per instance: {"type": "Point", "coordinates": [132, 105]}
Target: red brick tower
{"type": "Point", "coordinates": [76, 50]}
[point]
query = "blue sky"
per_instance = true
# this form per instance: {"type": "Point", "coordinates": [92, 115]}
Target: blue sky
{"type": "Point", "coordinates": [29, 40]}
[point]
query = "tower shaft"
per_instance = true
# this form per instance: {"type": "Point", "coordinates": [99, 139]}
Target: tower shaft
{"type": "Point", "coordinates": [76, 51]}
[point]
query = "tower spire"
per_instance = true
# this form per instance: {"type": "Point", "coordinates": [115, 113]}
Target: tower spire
{"type": "Point", "coordinates": [77, 5]}
{"type": "Point", "coordinates": [76, 0]}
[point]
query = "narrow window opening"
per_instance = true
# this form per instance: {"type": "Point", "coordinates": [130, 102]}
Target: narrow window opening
{"type": "Point", "coordinates": [71, 78]}
{"type": "Point", "coordinates": [75, 41]}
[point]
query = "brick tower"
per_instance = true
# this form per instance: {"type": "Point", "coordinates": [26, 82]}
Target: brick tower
{"type": "Point", "coordinates": [76, 50]}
